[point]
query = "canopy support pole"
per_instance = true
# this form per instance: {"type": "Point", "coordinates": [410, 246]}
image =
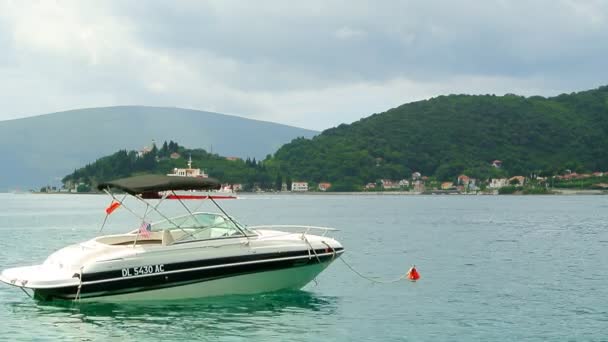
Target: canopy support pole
{"type": "Point", "coordinates": [161, 214]}
{"type": "Point", "coordinates": [147, 204]}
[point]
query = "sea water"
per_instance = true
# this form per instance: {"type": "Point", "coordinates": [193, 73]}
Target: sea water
{"type": "Point", "coordinates": [502, 268]}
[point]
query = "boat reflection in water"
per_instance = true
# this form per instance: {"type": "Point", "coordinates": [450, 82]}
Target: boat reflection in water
{"type": "Point", "coordinates": [268, 315]}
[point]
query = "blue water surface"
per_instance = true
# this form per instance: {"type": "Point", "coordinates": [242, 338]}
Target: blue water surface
{"type": "Point", "coordinates": [502, 268]}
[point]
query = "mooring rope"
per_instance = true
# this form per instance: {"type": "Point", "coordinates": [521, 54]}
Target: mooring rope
{"type": "Point", "coordinates": [333, 251]}
{"type": "Point", "coordinates": [372, 279]}
{"type": "Point", "coordinates": [311, 248]}
{"type": "Point", "coordinates": [24, 291]}
{"type": "Point", "coordinates": [77, 297]}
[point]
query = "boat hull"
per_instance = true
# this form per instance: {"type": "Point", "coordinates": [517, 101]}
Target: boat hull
{"type": "Point", "coordinates": [254, 283]}
{"type": "Point", "coordinates": [257, 276]}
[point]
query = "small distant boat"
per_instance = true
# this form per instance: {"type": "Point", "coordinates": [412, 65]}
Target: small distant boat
{"type": "Point", "coordinates": [198, 254]}
{"type": "Point", "coordinates": [225, 192]}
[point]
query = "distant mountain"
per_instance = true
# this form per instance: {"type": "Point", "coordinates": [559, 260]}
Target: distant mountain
{"type": "Point", "coordinates": [450, 135]}
{"type": "Point", "coordinates": [40, 150]}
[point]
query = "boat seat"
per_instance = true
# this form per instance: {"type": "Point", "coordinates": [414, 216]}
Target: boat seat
{"type": "Point", "coordinates": [167, 238]}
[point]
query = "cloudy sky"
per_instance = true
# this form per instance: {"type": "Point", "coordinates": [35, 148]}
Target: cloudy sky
{"type": "Point", "coordinates": [313, 64]}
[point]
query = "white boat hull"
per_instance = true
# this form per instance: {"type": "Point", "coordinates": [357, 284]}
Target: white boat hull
{"type": "Point", "coordinates": [261, 282]}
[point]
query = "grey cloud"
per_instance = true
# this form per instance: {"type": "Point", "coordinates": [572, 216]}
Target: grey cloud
{"type": "Point", "coordinates": [326, 61]}
{"type": "Point", "coordinates": [417, 40]}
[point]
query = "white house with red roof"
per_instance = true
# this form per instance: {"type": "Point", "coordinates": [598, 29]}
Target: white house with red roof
{"type": "Point", "coordinates": [388, 184]}
{"type": "Point", "coordinates": [324, 186]}
{"type": "Point", "coordinates": [404, 183]}
{"type": "Point", "coordinates": [463, 180]}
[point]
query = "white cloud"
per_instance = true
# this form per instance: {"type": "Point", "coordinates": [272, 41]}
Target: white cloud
{"type": "Point", "coordinates": [346, 32]}
{"type": "Point", "coordinates": [313, 64]}
{"type": "Point", "coordinates": [61, 29]}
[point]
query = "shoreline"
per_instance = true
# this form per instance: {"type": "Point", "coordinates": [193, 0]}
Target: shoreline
{"type": "Point", "coordinates": [555, 192]}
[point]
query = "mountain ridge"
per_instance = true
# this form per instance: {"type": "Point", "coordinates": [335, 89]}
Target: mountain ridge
{"type": "Point", "coordinates": [40, 150]}
{"type": "Point", "coordinates": [152, 107]}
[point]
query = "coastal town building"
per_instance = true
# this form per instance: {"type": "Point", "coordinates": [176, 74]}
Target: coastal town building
{"type": "Point", "coordinates": [497, 164]}
{"type": "Point", "coordinates": [463, 180]}
{"type": "Point", "coordinates": [419, 186]}
{"type": "Point", "coordinates": [569, 175]}
{"type": "Point", "coordinates": [472, 186]}
{"type": "Point", "coordinates": [388, 184]}
{"type": "Point", "coordinates": [143, 151]}
{"type": "Point", "coordinates": [497, 183]}
{"type": "Point", "coordinates": [299, 186]}
{"type": "Point", "coordinates": [174, 155]}
{"type": "Point", "coordinates": [517, 180]}
{"type": "Point", "coordinates": [447, 185]}
{"type": "Point", "coordinates": [404, 183]}
{"type": "Point", "coordinates": [416, 175]}
{"type": "Point", "coordinates": [324, 186]}
{"type": "Point", "coordinates": [370, 186]}
{"type": "Point", "coordinates": [574, 175]}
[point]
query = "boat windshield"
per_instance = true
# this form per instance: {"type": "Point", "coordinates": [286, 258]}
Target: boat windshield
{"type": "Point", "coordinates": [201, 226]}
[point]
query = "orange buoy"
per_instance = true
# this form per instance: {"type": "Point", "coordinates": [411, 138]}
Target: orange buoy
{"type": "Point", "coordinates": [413, 274]}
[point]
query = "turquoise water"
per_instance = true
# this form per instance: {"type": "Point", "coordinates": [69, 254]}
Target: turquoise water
{"type": "Point", "coordinates": [493, 268]}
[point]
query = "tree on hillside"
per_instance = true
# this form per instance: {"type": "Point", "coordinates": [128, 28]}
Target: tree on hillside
{"type": "Point", "coordinates": [278, 182]}
{"type": "Point", "coordinates": [164, 150]}
{"type": "Point", "coordinates": [288, 182]}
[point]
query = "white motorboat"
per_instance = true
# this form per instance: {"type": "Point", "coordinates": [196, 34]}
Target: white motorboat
{"type": "Point", "coordinates": [224, 192]}
{"type": "Point", "coordinates": [195, 255]}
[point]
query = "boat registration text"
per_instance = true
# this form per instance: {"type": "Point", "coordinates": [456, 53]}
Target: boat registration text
{"type": "Point", "coordinates": [142, 270]}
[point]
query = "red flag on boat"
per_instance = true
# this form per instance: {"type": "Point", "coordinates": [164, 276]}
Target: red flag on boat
{"type": "Point", "coordinates": [413, 274]}
{"type": "Point", "coordinates": [113, 206]}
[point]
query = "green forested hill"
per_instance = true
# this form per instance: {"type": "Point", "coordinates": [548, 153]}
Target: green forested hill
{"type": "Point", "coordinates": [441, 138]}
{"type": "Point", "coordinates": [449, 135]}
{"type": "Point", "coordinates": [127, 163]}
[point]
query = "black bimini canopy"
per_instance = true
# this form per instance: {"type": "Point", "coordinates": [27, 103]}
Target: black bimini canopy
{"type": "Point", "coordinates": [154, 183]}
